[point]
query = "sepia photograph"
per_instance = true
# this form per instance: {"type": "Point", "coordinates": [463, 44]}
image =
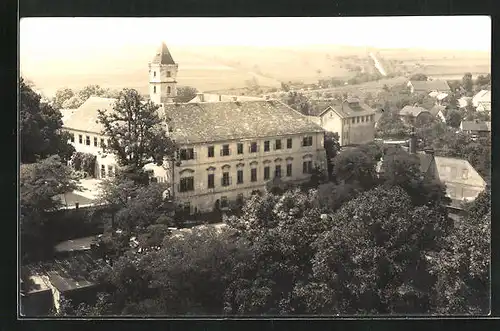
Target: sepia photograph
{"type": "Point", "coordinates": [258, 166]}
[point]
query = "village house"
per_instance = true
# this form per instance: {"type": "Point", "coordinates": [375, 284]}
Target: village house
{"type": "Point", "coordinates": [482, 101]}
{"type": "Point", "coordinates": [438, 111]}
{"type": "Point", "coordinates": [428, 86]}
{"type": "Point", "coordinates": [476, 128]}
{"type": "Point", "coordinates": [463, 102]}
{"type": "Point", "coordinates": [414, 114]}
{"type": "Point", "coordinates": [351, 119]}
{"type": "Point", "coordinates": [439, 96]}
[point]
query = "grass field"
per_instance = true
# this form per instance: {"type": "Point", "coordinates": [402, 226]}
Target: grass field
{"type": "Point", "coordinates": [223, 68]}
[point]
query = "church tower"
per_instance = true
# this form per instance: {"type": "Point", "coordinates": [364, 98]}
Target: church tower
{"type": "Point", "coordinates": [162, 76]}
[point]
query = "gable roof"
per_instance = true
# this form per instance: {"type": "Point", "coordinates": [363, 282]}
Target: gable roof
{"type": "Point", "coordinates": [84, 118]}
{"type": "Point", "coordinates": [412, 111]}
{"type": "Point", "coordinates": [220, 121]}
{"type": "Point", "coordinates": [482, 96]}
{"type": "Point", "coordinates": [425, 161]}
{"type": "Point", "coordinates": [430, 85]}
{"type": "Point", "coordinates": [476, 126]}
{"type": "Point", "coordinates": [163, 55]}
{"type": "Point", "coordinates": [349, 108]}
{"type": "Point", "coordinates": [485, 104]}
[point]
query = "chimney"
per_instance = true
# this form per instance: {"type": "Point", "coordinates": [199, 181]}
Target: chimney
{"type": "Point", "coordinates": [201, 97]}
{"type": "Point", "coordinates": [412, 147]}
{"type": "Point", "coordinates": [235, 98]}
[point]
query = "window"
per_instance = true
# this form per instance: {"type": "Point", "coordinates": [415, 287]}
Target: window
{"type": "Point", "coordinates": [226, 180]}
{"type": "Point", "coordinates": [72, 138]}
{"type": "Point", "coordinates": [103, 171]}
{"type": "Point", "coordinates": [187, 207]}
{"type": "Point", "coordinates": [289, 170]}
{"type": "Point", "coordinates": [225, 150]}
{"type": "Point", "coordinates": [353, 120]}
{"type": "Point", "coordinates": [95, 141]}
{"type": "Point", "coordinates": [266, 146]}
{"type": "Point", "coordinates": [186, 154]}
{"type": "Point", "coordinates": [277, 171]}
{"type": "Point", "coordinates": [307, 141]}
{"type": "Point", "coordinates": [87, 140]}
{"type": "Point", "coordinates": [102, 142]}
{"type": "Point", "coordinates": [253, 147]}
{"type": "Point", "coordinates": [465, 174]}
{"type": "Point", "coordinates": [187, 184]}
{"type": "Point", "coordinates": [211, 151]}
{"type": "Point", "coordinates": [154, 73]}
{"type": "Point", "coordinates": [168, 89]}
{"type": "Point", "coordinates": [278, 144]}
{"type": "Point", "coordinates": [357, 119]}
{"type": "Point", "coordinates": [307, 167]}
{"type": "Point", "coordinates": [253, 175]}
{"type": "Point", "coordinates": [289, 143]}
{"type": "Point", "coordinates": [372, 118]}
{"type": "Point", "coordinates": [154, 89]}
{"type": "Point", "coordinates": [266, 173]}
{"type": "Point", "coordinates": [110, 171]}
{"type": "Point", "coordinates": [240, 177]}
{"type": "Point", "coordinates": [223, 202]}
{"type": "Point", "coordinates": [168, 73]}
{"type": "Point", "coordinates": [211, 181]}
{"type": "Point", "coordinates": [240, 148]}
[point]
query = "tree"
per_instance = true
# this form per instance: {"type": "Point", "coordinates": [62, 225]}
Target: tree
{"type": "Point", "coordinates": [40, 185]}
{"type": "Point", "coordinates": [419, 76]}
{"type": "Point", "coordinates": [332, 147]}
{"type": "Point", "coordinates": [390, 125]}
{"type": "Point", "coordinates": [454, 118]}
{"type": "Point", "coordinates": [483, 81]}
{"type": "Point", "coordinates": [185, 93]}
{"type": "Point", "coordinates": [467, 82]}
{"type": "Point", "coordinates": [62, 96]}
{"type": "Point", "coordinates": [299, 102]}
{"type": "Point", "coordinates": [355, 166]}
{"type": "Point", "coordinates": [137, 133]}
{"type": "Point", "coordinates": [372, 259]}
{"type": "Point", "coordinates": [41, 134]}
{"type": "Point", "coordinates": [462, 267]}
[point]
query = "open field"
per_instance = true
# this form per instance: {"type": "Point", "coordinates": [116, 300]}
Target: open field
{"type": "Point", "coordinates": [222, 68]}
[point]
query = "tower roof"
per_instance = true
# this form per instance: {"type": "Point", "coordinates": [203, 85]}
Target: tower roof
{"type": "Point", "coordinates": [163, 55]}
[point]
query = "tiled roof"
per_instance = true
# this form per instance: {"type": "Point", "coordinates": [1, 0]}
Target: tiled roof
{"type": "Point", "coordinates": [430, 85]}
{"type": "Point", "coordinates": [219, 121]}
{"type": "Point", "coordinates": [163, 55]}
{"type": "Point", "coordinates": [475, 126]}
{"type": "Point", "coordinates": [412, 111]}
{"type": "Point", "coordinates": [70, 199]}
{"type": "Point", "coordinates": [78, 244]}
{"type": "Point", "coordinates": [435, 110]}
{"type": "Point", "coordinates": [483, 95]}
{"type": "Point", "coordinates": [441, 96]}
{"type": "Point", "coordinates": [84, 118]}
{"type": "Point", "coordinates": [208, 97]}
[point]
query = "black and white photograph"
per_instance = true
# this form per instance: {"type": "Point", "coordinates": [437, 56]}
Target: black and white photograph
{"type": "Point", "coordinates": [254, 166]}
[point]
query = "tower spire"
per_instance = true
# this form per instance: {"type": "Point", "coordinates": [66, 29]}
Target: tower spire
{"type": "Point", "coordinates": [163, 55]}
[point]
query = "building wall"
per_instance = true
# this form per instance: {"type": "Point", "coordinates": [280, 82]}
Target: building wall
{"type": "Point", "coordinates": [203, 198]}
{"type": "Point", "coordinates": [353, 130]}
{"type": "Point", "coordinates": [461, 179]}
{"type": "Point", "coordinates": [161, 82]}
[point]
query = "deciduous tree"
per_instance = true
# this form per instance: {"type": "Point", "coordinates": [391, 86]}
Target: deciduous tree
{"type": "Point", "coordinates": [185, 93]}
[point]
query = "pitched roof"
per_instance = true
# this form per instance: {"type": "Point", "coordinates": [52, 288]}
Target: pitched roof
{"type": "Point", "coordinates": [430, 85]}
{"type": "Point", "coordinates": [483, 95]}
{"type": "Point", "coordinates": [78, 244]}
{"type": "Point", "coordinates": [485, 104]}
{"type": "Point", "coordinates": [436, 109]}
{"type": "Point", "coordinates": [349, 108]}
{"type": "Point", "coordinates": [441, 96]}
{"type": "Point", "coordinates": [475, 126]}
{"type": "Point", "coordinates": [425, 161]}
{"type": "Point", "coordinates": [84, 118]}
{"type": "Point", "coordinates": [209, 97]}
{"type": "Point", "coordinates": [163, 55]}
{"type": "Point", "coordinates": [449, 171]}
{"type": "Point", "coordinates": [412, 111]}
{"type": "Point", "coordinates": [219, 121]}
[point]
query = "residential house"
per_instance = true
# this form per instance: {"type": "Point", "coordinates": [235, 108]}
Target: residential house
{"type": "Point", "coordinates": [439, 96]}
{"type": "Point", "coordinates": [438, 111]}
{"type": "Point", "coordinates": [412, 114]}
{"type": "Point", "coordinates": [463, 102]}
{"type": "Point", "coordinates": [210, 97]}
{"type": "Point", "coordinates": [351, 119]}
{"type": "Point", "coordinates": [427, 86]}
{"type": "Point", "coordinates": [482, 101]}
{"type": "Point", "coordinates": [228, 150]}
{"type": "Point", "coordinates": [476, 128]}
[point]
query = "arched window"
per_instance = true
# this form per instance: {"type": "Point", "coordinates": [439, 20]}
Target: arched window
{"type": "Point", "coordinates": [168, 89]}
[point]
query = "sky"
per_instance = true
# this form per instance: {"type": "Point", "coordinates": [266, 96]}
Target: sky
{"type": "Point", "coordinates": [53, 36]}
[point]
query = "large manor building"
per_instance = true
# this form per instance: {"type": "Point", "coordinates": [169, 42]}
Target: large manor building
{"type": "Point", "coordinates": [227, 149]}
